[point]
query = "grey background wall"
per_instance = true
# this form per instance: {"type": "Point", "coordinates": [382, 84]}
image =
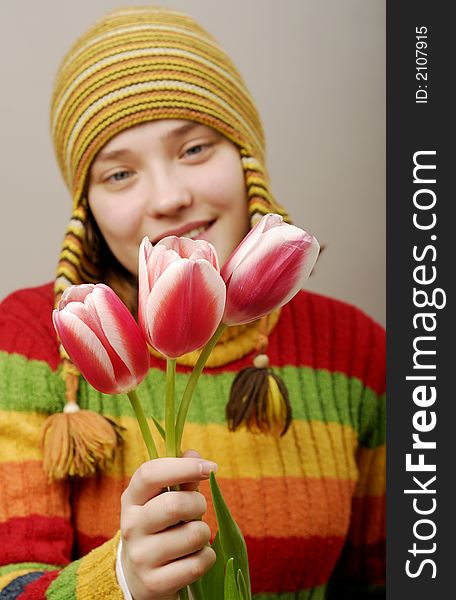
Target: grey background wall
{"type": "Point", "coordinates": [316, 69]}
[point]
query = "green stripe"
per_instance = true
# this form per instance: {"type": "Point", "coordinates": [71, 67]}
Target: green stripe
{"type": "Point", "coordinates": [27, 565]}
{"type": "Point", "coordinates": [315, 395]}
{"type": "Point", "coordinates": [64, 586]}
{"type": "Point", "coordinates": [29, 385]}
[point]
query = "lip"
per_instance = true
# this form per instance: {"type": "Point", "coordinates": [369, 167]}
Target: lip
{"type": "Point", "coordinates": [178, 231]}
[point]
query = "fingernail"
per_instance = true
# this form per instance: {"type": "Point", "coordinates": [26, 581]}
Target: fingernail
{"type": "Point", "coordinates": [207, 466]}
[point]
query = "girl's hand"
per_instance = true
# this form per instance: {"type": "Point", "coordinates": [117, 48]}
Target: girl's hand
{"type": "Point", "coordinates": [164, 544]}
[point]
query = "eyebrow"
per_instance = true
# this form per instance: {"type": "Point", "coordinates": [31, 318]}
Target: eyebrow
{"type": "Point", "coordinates": [169, 135]}
{"type": "Point", "coordinates": [180, 130]}
{"type": "Point", "coordinates": [104, 156]}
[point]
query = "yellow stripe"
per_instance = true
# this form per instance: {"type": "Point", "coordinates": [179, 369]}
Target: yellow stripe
{"type": "Point", "coordinates": [110, 85]}
{"type": "Point", "coordinates": [20, 436]}
{"type": "Point", "coordinates": [69, 273]}
{"type": "Point", "coordinates": [76, 230]}
{"type": "Point", "coordinates": [97, 571]}
{"type": "Point", "coordinates": [257, 191]}
{"type": "Point", "coordinates": [73, 246]}
{"type": "Point", "coordinates": [113, 113]}
{"type": "Point", "coordinates": [309, 449]}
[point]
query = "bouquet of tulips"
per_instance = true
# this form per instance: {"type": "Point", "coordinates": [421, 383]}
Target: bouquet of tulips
{"type": "Point", "coordinates": [185, 303]}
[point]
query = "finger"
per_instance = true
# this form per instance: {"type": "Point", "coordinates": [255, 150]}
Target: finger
{"type": "Point", "coordinates": [191, 453]}
{"type": "Point", "coordinates": [194, 485]}
{"type": "Point", "coordinates": [190, 487]}
{"type": "Point", "coordinates": [172, 577]}
{"type": "Point", "coordinates": [177, 542]}
{"type": "Point", "coordinates": [169, 509]}
{"type": "Point", "coordinates": [154, 476]}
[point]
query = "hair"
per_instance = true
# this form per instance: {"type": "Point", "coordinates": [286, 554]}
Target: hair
{"type": "Point", "coordinates": [107, 268]}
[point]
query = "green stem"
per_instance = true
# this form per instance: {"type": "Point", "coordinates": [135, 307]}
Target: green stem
{"type": "Point", "coordinates": [193, 380]}
{"type": "Point", "coordinates": [170, 425]}
{"type": "Point", "coordinates": [170, 429]}
{"type": "Point", "coordinates": [183, 593]}
{"type": "Point", "coordinates": [141, 418]}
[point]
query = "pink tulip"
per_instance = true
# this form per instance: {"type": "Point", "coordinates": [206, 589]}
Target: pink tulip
{"type": "Point", "coordinates": [102, 338]}
{"type": "Point", "coordinates": [267, 269]}
{"type": "Point", "coordinates": [181, 294]}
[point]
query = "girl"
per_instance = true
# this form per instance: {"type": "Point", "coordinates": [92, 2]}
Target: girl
{"type": "Point", "coordinates": [156, 134]}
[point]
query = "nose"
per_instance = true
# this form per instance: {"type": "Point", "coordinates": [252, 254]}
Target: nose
{"type": "Point", "coordinates": [168, 192]}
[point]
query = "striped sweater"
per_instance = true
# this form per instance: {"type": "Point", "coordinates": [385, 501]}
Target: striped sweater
{"type": "Point", "coordinates": [310, 504]}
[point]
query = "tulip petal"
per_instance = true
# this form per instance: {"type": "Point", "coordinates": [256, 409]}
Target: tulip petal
{"type": "Point", "coordinates": [143, 278]}
{"type": "Point", "coordinates": [188, 248]}
{"type": "Point", "coordinates": [86, 351]}
{"type": "Point", "coordinates": [182, 245]}
{"type": "Point", "coordinates": [158, 261]}
{"type": "Point", "coordinates": [75, 293]}
{"type": "Point", "coordinates": [248, 244]}
{"type": "Point", "coordinates": [153, 260]}
{"type": "Point", "coordinates": [121, 331]}
{"type": "Point", "coordinates": [92, 319]}
{"type": "Point", "coordinates": [87, 313]}
{"type": "Point", "coordinates": [271, 274]}
{"type": "Point", "coordinates": [185, 307]}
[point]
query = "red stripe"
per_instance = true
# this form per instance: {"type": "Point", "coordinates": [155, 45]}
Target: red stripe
{"type": "Point", "coordinates": [36, 539]}
{"type": "Point", "coordinates": [37, 589]}
{"type": "Point", "coordinates": [290, 564]}
{"type": "Point", "coordinates": [323, 333]}
{"type": "Point", "coordinates": [30, 311]}
{"type": "Point", "coordinates": [276, 564]}
{"type": "Point", "coordinates": [368, 520]}
{"type": "Point", "coordinates": [86, 543]}
{"type": "Point", "coordinates": [279, 565]}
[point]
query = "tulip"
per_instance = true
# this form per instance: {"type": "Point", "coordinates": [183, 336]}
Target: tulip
{"type": "Point", "coordinates": [267, 269]}
{"type": "Point", "coordinates": [181, 294]}
{"type": "Point", "coordinates": [102, 338]}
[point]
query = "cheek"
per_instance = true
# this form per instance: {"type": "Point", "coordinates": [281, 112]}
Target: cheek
{"type": "Point", "coordinates": [224, 186]}
{"type": "Point", "coordinates": [116, 221]}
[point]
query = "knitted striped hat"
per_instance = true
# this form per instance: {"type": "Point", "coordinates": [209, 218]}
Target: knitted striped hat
{"type": "Point", "coordinates": [139, 64]}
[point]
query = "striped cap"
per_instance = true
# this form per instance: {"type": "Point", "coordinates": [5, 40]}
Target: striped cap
{"type": "Point", "coordinates": [137, 65]}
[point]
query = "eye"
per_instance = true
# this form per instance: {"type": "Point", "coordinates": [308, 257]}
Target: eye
{"type": "Point", "coordinates": [119, 176]}
{"type": "Point", "coordinates": [195, 150]}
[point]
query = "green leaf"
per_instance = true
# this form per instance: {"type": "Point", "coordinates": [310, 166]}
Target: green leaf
{"type": "Point", "coordinates": [242, 587]}
{"type": "Point", "coordinates": [161, 431]}
{"type": "Point", "coordinates": [231, 538]}
{"type": "Point", "coordinates": [198, 590]}
{"type": "Point", "coordinates": [230, 591]}
{"type": "Point", "coordinates": [212, 581]}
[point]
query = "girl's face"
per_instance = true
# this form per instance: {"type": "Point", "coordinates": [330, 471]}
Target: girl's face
{"type": "Point", "coordinates": [168, 177]}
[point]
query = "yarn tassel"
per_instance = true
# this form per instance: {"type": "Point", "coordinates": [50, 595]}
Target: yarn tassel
{"type": "Point", "coordinates": [258, 397]}
{"type": "Point", "coordinates": [77, 442]}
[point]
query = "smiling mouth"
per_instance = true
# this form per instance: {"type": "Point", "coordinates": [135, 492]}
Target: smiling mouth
{"type": "Point", "coordinates": [197, 231]}
{"type": "Point", "coordinates": [193, 233]}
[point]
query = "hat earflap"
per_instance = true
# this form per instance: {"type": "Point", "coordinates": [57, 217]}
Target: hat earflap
{"type": "Point", "coordinates": [76, 442]}
{"type": "Point", "coordinates": [258, 396]}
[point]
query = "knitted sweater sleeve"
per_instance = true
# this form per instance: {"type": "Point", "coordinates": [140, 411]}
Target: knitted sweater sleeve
{"type": "Point", "coordinates": [35, 514]}
{"type": "Point", "coordinates": [360, 572]}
